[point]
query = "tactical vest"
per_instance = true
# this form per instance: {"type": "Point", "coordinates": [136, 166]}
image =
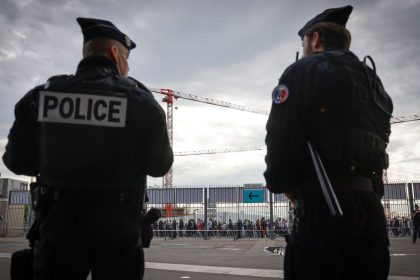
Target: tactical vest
{"type": "Point", "coordinates": [87, 132]}
{"type": "Point", "coordinates": [351, 124]}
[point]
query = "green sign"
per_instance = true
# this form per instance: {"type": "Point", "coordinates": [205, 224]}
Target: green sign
{"type": "Point", "coordinates": [253, 195]}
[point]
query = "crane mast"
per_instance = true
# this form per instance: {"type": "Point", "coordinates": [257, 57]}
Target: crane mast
{"type": "Point", "coordinates": [169, 99]}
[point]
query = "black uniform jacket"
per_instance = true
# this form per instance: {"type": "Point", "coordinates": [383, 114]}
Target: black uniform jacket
{"type": "Point", "coordinates": [94, 128]}
{"type": "Point", "coordinates": [323, 98]}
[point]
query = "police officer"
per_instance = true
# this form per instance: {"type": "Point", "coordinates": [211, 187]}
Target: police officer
{"type": "Point", "coordinates": [338, 103]}
{"type": "Point", "coordinates": [90, 139]}
{"type": "Point", "coordinates": [416, 222]}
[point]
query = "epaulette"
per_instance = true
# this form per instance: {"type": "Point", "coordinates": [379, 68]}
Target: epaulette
{"type": "Point", "coordinates": [124, 81]}
{"type": "Point", "coordinates": [138, 84]}
{"type": "Point", "coordinates": [129, 82]}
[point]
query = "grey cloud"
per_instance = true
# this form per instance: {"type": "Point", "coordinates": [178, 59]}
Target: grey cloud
{"type": "Point", "coordinates": [229, 50]}
{"type": "Point", "coordinates": [9, 11]}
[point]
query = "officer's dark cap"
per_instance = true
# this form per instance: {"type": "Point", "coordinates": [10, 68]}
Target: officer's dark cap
{"type": "Point", "coordinates": [335, 15]}
{"type": "Point", "coordinates": [98, 28]}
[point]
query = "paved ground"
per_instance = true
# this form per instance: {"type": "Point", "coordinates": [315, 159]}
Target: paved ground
{"type": "Point", "coordinates": [227, 259]}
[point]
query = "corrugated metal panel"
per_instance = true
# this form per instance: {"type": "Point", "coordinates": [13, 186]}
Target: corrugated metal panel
{"type": "Point", "coordinates": [189, 195]}
{"type": "Point", "coordinates": [161, 196]}
{"type": "Point", "coordinates": [19, 197]}
{"type": "Point", "coordinates": [416, 187]}
{"type": "Point", "coordinates": [395, 191]}
{"type": "Point", "coordinates": [175, 195]}
{"type": "Point", "coordinates": [279, 197]}
{"type": "Point", "coordinates": [225, 194]}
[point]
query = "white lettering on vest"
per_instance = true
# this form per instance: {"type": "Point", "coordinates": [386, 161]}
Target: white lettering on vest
{"type": "Point", "coordinates": [85, 109]}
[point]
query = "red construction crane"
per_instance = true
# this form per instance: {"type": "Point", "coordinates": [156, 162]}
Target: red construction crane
{"type": "Point", "coordinates": [171, 96]}
{"type": "Point", "coordinates": [405, 119]}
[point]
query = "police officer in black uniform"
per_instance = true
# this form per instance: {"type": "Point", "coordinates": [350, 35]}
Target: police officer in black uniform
{"type": "Point", "coordinates": [338, 103]}
{"type": "Point", "coordinates": [90, 139]}
{"type": "Point", "coordinates": [416, 222]}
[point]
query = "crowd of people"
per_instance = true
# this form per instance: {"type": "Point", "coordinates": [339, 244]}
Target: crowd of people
{"type": "Point", "coordinates": [399, 227]}
{"type": "Point", "coordinates": [260, 228]}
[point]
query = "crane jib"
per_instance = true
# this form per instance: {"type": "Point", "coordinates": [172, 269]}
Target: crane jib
{"type": "Point", "coordinates": [171, 96]}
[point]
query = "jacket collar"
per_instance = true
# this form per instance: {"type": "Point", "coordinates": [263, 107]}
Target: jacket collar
{"type": "Point", "coordinates": [100, 64]}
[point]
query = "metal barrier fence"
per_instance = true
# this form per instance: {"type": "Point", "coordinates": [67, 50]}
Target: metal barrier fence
{"type": "Point", "coordinates": [220, 203]}
{"type": "Point", "coordinates": [222, 211]}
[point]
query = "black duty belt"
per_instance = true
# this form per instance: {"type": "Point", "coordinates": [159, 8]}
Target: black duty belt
{"type": "Point", "coordinates": [352, 183]}
{"type": "Point", "coordinates": [71, 183]}
{"type": "Point", "coordinates": [123, 195]}
{"type": "Point", "coordinates": [345, 183]}
{"type": "Point", "coordinates": [132, 198]}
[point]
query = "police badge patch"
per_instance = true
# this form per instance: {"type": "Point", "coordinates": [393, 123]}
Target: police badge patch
{"type": "Point", "coordinates": [280, 94]}
{"type": "Point", "coordinates": [127, 41]}
{"type": "Point", "coordinates": [82, 109]}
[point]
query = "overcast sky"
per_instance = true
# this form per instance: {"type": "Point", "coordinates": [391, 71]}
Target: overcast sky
{"type": "Point", "coordinates": [228, 50]}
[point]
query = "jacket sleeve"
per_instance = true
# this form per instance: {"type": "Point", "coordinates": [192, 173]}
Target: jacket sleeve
{"type": "Point", "coordinates": [159, 155]}
{"type": "Point", "coordinates": [285, 140]}
{"type": "Point", "coordinates": [21, 153]}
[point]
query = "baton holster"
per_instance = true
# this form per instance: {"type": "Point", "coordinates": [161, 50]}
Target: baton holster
{"type": "Point", "coordinates": [21, 267]}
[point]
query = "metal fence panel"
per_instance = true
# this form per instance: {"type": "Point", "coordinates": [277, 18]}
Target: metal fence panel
{"type": "Point", "coordinates": [277, 197]}
{"type": "Point", "coordinates": [225, 194]}
{"type": "Point", "coordinates": [187, 205]}
{"type": "Point", "coordinates": [17, 221]}
{"type": "Point", "coordinates": [416, 188]}
{"type": "Point", "coordinates": [160, 196]}
{"type": "Point", "coordinates": [19, 198]}
{"type": "Point", "coordinates": [189, 195]}
{"type": "Point", "coordinates": [395, 191]}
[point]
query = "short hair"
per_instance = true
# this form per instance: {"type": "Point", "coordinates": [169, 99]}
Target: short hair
{"type": "Point", "coordinates": [99, 46]}
{"type": "Point", "coordinates": [332, 35]}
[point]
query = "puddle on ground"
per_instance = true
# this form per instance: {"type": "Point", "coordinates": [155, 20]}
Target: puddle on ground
{"type": "Point", "coordinates": [279, 250]}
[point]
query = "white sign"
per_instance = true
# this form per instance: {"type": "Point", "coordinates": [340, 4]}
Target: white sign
{"type": "Point", "coordinates": [85, 109]}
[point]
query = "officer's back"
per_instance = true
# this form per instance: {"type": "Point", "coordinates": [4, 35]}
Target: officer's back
{"type": "Point", "coordinates": [349, 111]}
{"type": "Point", "coordinates": [90, 139]}
{"type": "Point", "coordinates": [330, 122]}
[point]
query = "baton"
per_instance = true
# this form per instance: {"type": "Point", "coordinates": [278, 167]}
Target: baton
{"type": "Point", "coordinates": [324, 181]}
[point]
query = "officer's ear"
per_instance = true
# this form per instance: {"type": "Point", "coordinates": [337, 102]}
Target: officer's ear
{"type": "Point", "coordinates": [115, 57]}
{"type": "Point", "coordinates": [316, 42]}
{"type": "Point", "coordinates": [114, 54]}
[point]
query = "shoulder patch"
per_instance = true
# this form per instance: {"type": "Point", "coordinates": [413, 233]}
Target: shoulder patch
{"type": "Point", "coordinates": [280, 94]}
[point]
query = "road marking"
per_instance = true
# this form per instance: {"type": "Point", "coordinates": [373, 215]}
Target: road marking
{"type": "Point", "coordinates": [230, 249]}
{"type": "Point", "coordinates": [263, 273]}
{"type": "Point", "coordinates": [266, 273]}
{"type": "Point", "coordinates": [173, 244]}
{"type": "Point", "coordinates": [402, 278]}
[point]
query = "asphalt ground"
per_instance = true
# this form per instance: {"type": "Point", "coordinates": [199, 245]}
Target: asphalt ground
{"type": "Point", "coordinates": [195, 258]}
